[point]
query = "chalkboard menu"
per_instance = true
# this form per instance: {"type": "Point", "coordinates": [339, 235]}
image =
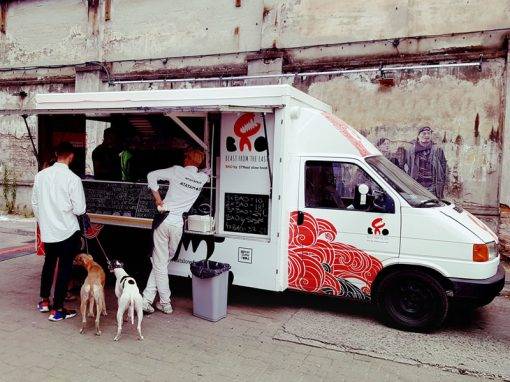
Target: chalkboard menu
{"type": "Point", "coordinates": [131, 199]}
{"type": "Point", "coordinates": [246, 213]}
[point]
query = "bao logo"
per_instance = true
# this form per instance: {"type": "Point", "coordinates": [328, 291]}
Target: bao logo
{"type": "Point", "coordinates": [377, 227]}
{"type": "Point", "coordinates": [245, 128]}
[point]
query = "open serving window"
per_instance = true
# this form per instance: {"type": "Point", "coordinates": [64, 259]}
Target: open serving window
{"type": "Point", "coordinates": [124, 135]}
{"type": "Point", "coordinates": [116, 151]}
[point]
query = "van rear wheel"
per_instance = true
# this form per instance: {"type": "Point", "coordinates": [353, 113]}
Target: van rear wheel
{"type": "Point", "coordinates": [412, 300]}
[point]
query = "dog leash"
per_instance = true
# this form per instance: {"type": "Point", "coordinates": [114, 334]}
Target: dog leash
{"type": "Point", "coordinates": [84, 223]}
{"type": "Point", "coordinates": [108, 262]}
{"type": "Point", "coordinates": [104, 253]}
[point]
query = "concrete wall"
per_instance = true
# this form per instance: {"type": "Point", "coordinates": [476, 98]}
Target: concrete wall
{"type": "Point", "coordinates": [41, 32]}
{"type": "Point", "coordinates": [45, 43]}
{"type": "Point", "coordinates": [300, 23]}
{"type": "Point", "coordinates": [46, 33]}
{"type": "Point", "coordinates": [15, 145]}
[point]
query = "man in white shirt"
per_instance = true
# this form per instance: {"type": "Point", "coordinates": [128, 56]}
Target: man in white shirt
{"type": "Point", "coordinates": [185, 185]}
{"type": "Point", "coordinates": [57, 200]}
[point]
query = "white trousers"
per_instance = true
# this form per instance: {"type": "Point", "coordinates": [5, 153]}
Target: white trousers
{"type": "Point", "coordinates": [166, 239]}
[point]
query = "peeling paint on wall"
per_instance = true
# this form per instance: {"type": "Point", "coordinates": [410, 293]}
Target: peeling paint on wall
{"type": "Point", "coordinates": [45, 33]}
{"type": "Point", "coordinates": [42, 32]}
{"type": "Point", "coordinates": [3, 17]}
{"type": "Point", "coordinates": [463, 107]}
{"type": "Point", "coordinates": [349, 21]}
{"type": "Point", "coordinates": [15, 144]}
{"type": "Point", "coordinates": [16, 148]}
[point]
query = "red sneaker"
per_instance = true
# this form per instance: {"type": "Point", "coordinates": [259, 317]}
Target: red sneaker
{"type": "Point", "coordinates": [44, 305]}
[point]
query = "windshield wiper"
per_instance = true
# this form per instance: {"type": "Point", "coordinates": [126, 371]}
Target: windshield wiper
{"type": "Point", "coordinates": [428, 201]}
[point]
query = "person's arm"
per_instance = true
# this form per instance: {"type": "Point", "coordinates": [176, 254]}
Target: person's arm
{"type": "Point", "coordinates": [152, 181]}
{"type": "Point", "coordinates": [35, 201]}
{"type": "Point", "coordinates": [77, 196]}
{"type": "Point", "coordinates": [157, 198]}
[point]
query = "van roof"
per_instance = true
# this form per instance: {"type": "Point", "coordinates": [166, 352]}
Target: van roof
{"type": "Point", "coordinates": [265, 97]}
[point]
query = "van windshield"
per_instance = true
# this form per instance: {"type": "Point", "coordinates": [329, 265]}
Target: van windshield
{"type": "Point", "coordinates": [413, 192]}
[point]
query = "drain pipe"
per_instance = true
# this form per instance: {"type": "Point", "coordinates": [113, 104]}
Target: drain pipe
{"type": "Point", "coordinates": [34, 150]}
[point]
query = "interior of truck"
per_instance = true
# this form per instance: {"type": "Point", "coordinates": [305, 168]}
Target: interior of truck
{"type": "Point", "coordinates": [125, 147]}
{"type": "Point", "coordinates": [115, 152]}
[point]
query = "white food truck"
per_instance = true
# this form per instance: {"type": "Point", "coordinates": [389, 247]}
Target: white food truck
{"type": "Point", "coordinates": [300, 200]}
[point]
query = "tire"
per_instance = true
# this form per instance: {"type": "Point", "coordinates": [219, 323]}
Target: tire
{"type": "Point", "coordinates": [412, 300]}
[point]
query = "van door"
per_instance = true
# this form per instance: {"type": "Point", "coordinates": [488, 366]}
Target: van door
{"type": "Point", "coordinates": [345, 227]}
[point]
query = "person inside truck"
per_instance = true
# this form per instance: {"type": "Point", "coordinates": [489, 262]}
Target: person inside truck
{"type": "Point", "coordinates": [129, 160]}
{"type": "Point", "coordinates": [105, 157]}
{"type": "Point", "coordinates": [321, 189]}
{"type": "Point", "coordinates": [184, 187]}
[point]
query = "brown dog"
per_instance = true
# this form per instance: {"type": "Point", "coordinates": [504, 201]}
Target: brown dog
{"type": "Point", "coordinates": [92, 290]}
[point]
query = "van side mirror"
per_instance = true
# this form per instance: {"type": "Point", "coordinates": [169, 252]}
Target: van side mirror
{"type": "Point", "coordinates": [362, 197]}
{"type": "Point", "coordinates": [363, 193]}
{"type": "Point", "coordinates": [366, 199]}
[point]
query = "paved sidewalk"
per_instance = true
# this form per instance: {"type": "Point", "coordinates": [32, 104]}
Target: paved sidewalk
{"type": "Point", "coordinates": [178, 346]}
{"type": "Point", "coordinates": [17, 236]}
{"type": "Point", "coordinates": [16, 231]}
{"type": "Point", "coordinates": [265, 337]}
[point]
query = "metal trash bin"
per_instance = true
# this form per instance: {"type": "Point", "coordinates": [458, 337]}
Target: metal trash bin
{"type": "Point", "coordinates": [210, 289]}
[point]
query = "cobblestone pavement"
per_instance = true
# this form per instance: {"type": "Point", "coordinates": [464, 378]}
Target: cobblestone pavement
{"type": "Point", "coordinates": [241, 347]}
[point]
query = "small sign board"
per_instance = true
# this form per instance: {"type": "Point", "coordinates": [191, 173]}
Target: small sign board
{"type": "Point", "coordinates": [244, 255]}
{"type": "Point", "coordinates": [246, 213]}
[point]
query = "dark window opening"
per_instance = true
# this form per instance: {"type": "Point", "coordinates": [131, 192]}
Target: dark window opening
{"type": "Point", "coordinates": [335, 185]}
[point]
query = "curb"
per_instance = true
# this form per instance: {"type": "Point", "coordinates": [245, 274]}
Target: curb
{"type": "Point", "coordinates": [17, 231]}
{"type": "Point", "coordinates": [18, 251]}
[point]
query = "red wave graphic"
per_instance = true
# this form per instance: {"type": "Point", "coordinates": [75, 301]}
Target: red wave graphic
{"type": "Point", "coordinates": [319, 264]}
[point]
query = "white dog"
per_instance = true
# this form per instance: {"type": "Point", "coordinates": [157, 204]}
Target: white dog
{"type": "Point", "coordinates": [129, 298]}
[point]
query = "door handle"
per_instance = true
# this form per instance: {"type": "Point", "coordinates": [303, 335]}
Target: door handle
{"type": "Point", "coordinates": [300, 217]}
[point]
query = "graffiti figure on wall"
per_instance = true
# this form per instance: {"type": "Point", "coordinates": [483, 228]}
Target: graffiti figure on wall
{"type": "Point", "coordinates": [397, 158]}
{"type": "Point", "coordinates": [425, 162]}
{"type": "Point", "coordinates": [422, 159]}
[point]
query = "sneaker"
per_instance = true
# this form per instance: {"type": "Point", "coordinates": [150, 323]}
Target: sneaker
{"type": "Point", "coordinates": [165, 308]}
{"type": "Point", "coordinates": [59, 315]}
{"type": "Point", "coordinates": [147, 307]}
{"type": "Point", "coordinates": [43, 306]}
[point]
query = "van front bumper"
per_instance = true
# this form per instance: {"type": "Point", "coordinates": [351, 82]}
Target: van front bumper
{"type": "Point", "coordinates": [479, 291]}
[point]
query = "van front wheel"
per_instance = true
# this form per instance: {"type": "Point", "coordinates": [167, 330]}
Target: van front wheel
{"type": "Point", "coordinates": [412, 300]}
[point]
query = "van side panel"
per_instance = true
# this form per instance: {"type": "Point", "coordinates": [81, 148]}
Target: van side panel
{"type": "Point", "coordinates": [318, 260]}
{"type": "Point", "coordinates": [319, 263]}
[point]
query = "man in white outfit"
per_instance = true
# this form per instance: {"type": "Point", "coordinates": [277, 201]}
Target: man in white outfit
{"type": "Point", "coordinates": [185, 185]}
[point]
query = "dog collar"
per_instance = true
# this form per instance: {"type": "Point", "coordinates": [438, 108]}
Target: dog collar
{"type": "Point", "coordinates": [122, 280]}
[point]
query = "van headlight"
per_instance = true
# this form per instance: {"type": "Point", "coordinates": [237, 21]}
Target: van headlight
{"type": "Point", "coordinates": [485, 252]}
{"type": "Point", "coordinates": [493, 250]}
